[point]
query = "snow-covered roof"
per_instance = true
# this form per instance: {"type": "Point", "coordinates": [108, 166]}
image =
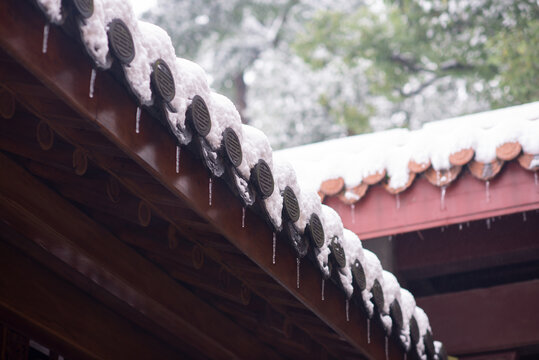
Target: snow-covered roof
{"type": "Point", "coordinates": [348, 166]}
{"type": "Point", "coordinates": [177, 93]}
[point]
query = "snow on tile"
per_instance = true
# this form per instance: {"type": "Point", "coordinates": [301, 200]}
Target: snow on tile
{"type": "Point", "coordinates": [393, 149]}
{"type": "Point", "coordinates": [309, 203]}
{"type": "Point", "coordinates": [94, 29]}
{"type": "Point", "coordinates": [354, 251]}
{"type": "Point", "coordinates": [423, 324]}
{"type": "Point", "coordinates": [408, 307]}
{"type": "Point", "coordinates": [332, 224]}
{"type": "Point", "coordinates": [53, 10]}
{"type": "Point", "coordinates": [373, 271]}
{"type": "Point", "coordinates": [223, 115]}
{"type": "Point", "coordinates": [392, 292]}
{"type": "Point", "coordinates": [437, 348]}
{"type": "Point", "coordinates": [190, 80]}
{"type": "Point", "coordinates": [352, 247]}
{"type": "Point", "coordinates": [255, 145]}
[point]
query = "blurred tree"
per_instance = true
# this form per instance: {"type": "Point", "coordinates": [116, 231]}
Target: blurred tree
{"type": "Point", "coordinates": [415, 50]}
{"type": "Point", "coordinates": [244, 46]}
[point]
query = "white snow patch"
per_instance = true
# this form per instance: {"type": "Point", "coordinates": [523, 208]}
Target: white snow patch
{"type": "Point", "coordinates": [352, 247]}
{"type": "Point", "coordinates": [190, 80]}
{"type": "Point", "coordinates": [423, 325]}
{"type": "Point", "coordinates": [94, 29]}
{"type": "Point", "coordinates": [407, 306]}
{"type": "Point", "coordinates": [284, 175]}
{"type": "Point", "coordinates": [437, 348]}
{"type": "Point", "coordinates": [373, 271]}
{"type": "Point", "coordinates": [309, 203]}
{"type": "Point", "coordinates": [53, 10]}
{"type": "Point", "coordinates": [223, 115]}
{"type": "Point", "coordinates": [255, 146]}
{"type": "Point", "coordinates": [392, 293]}
{"type": "Point", "coordinates": [332, 224]}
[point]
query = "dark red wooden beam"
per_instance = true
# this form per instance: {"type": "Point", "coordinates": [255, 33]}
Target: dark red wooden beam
{"type": "Point", "coordinates": [420, 207]}
{"type": "Point", "coordinates": [65, 70]}
{"type": "Point", "coordinates": [466, 247]}
{"type": "Point", "coordinates": [504, 355]}
{"type": "Point", "coordinates": [49, 309]}
{"type": "Point", "coordinates": [483, 320]}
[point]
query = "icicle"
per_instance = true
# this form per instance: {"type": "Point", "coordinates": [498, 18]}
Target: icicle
{"type": "Point", "coordinates": [390, 237]}
{"type": "Point", "coordinates": [137, 126]}
{"type": "Point", "coordinates": [524, 216]}
{"type": "Point", "coordinates": [353, 211]}
{"type": "Point", "coordinates": [243, 217]}
{"type": "Point", "coordinates": [387, 351]}
{"type": "Point", "coordinates": [398, 199]}
{"type": "Point", "coordinates": [210, 183]}
{"type": "Point", "coordinates": [405, 356]}
{"type": "Point", "coordinates": [488, 223]}
{"type": "Point", "coordinates": [92, 83]}
{"type": "Point", "coordinates": [460, 227]}
{"type": "Point", "coordinates": [274, 241]}
{"type": "Point", "coordinates": [467, 224]}
{"type": "Point", "coordinates": [45, 38]}
{"type": "Point", "coordinates": [347, 310]}
{"type": "Point", "coordinates": [536, 177]}
{"type": "Point", "coordinates": [437, 177]}
{"type": "Point", "coordinates": [487, 190]}
{"type": "Point", "coordinates": [323, 288]}
{"type": "Point", "coordinates": [443, 228]}
{"type": "Point", "coordinates": [177, 159]}
{"type": "Point", "coordinates": [368, 331]}
{"type": "Point", "coordinates": [297, 272]}
{"type": "Point", "coordinates": [442, 197]}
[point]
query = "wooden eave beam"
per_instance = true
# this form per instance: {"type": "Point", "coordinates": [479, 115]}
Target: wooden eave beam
{"type": "Point", "coordinates": [484, 320]}
{"type": "Point", "coordinates": [471, 246]}
{"type": "Point", "coordinates": [65, 70]}
{"type": "Point", "coordinates": [67, 234]}
{"type": "Point", "coordinates": [420, 207]}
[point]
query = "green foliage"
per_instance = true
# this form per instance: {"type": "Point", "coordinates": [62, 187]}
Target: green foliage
{"type": "Point", "coordinates": [408, 46]}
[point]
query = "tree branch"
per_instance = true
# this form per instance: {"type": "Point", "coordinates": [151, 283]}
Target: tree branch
{"type": "Point", "coordinates": [282, 21]}
{"type": "Point", "coordinates": [421, 87]}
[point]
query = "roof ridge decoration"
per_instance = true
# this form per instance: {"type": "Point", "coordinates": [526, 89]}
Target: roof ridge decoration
{"type": "Point", "coordinates": [440, 151]}
{"type": "Point", "coordinates": [176, 93]}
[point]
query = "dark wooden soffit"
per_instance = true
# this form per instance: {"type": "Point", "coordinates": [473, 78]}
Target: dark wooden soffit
{"type": "Point", "coordinates": [469, 246]}
{"type": "Point", "coordinates": [464, 321]}
{"type": "Point", "coordinates": [422, 207]}
{"type": "Point", "coordinates": [29, 301]}
{"type": "Point", "coordinates": [84, 246]}
{"type": "Point", "coordinates": [113, 112]}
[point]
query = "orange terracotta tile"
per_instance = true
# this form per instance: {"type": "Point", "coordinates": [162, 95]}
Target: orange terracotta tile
{"type": "Point", "coordinates": [442, 177]}
{"type": "Point", "coordinates": [526, 160]}
{"type": "Point", "coordinates": [485, 171]}
{"type": "Point", "coordinates": [391, 190]}
{"type": "Point", "coordinates": [508, 151]}
{"type": "Point", "coordinates": [461, 157]}
{"type": "Point", "coordinates": [418, 168]}
{"type": "Point", "coordinates": [332, 187]}
{"type": "Point", "coordinates": [374, 178]}
{"type": "Point", "coordinates": [352, 195]}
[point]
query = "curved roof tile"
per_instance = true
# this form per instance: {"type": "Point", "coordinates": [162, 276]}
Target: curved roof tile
{"type": "Point", "coordinates": [480, 143]}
